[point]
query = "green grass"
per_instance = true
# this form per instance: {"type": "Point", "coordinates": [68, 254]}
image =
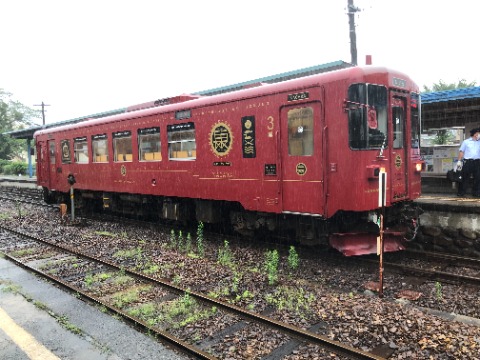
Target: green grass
{"type": "Point", "coordinates": [183, 311]}
{"type": "Point", "coordinates": [144, 311]}
{"type": "Point", "coordinates": [291, 298]}
{"type": "Point", "coordinates": [135, 253]}
{"type": "Point", "coordinates": [121, 300]}
{"type": "Point", "coordinates": [23, 252]}
{"type": "Point", "coordinates": [97, 278]}
{"type": "Point", "coordinates": [65, 322]}
{"type": "Point", "coordinates": [4, 216]}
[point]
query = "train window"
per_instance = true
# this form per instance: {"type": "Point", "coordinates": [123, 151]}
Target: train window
{"type": "Point", "coordinates": [398, 120]}
{"type": "Point", "coordinates": [65, 146]}
{"type": "Point", "coordinates": [122, 146]}
{"type": "Point", "coordinates": [415, 122]}
{"type": "Point", "coordinates": [80, 150]}
{"type": "Point", "coordinates": [99, 148]}
{"type": "Point", "coordinates": [367, 116]}
{"type": "Point", "coordinates": [149, 148]}
{"type": "Point", "coordinates": [181, 142]}
{"type": "Point", "coordinates": [51, 151]}
{"type": "Point", "coordinates": [300, 131]}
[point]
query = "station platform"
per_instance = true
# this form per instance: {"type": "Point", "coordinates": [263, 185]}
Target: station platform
{"type": "Point", "coordinates": [18, 181]}
{"type": "Point", "coordinates": [18, 178]}
{"type": "Point", "coordinates": [39, 321]}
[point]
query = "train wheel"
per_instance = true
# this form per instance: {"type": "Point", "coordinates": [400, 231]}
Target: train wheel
{"type": "Point", "coordinates": [48, 197]}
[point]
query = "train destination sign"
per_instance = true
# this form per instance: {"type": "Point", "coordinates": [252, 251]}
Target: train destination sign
{"type": "Point", "coordinates": [183, 114]}
{"type": "Point", "coordinates": [399, 82]}
{"type": "Point", "coordinates": [298, 96]}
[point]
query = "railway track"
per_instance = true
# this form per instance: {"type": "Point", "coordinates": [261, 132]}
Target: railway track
{"type": "Point", "coordinates": [444, 261]}
{"type": "Point", "coordinates": [74, 269]}
{"type": "Point", "coordinates": [434, 266]}
{"type": "Point", "coordinates": [237, 331]}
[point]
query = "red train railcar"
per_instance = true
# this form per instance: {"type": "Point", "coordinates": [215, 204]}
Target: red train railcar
{"type": "Point", "coordinates": [300, 158]}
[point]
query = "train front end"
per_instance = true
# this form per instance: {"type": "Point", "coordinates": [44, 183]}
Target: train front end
{"type": "Point", "coordinates": [375, 178]}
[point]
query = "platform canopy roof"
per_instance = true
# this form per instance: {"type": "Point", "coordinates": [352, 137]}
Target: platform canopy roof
{"type": "Point", "coordinates": [450, 108]}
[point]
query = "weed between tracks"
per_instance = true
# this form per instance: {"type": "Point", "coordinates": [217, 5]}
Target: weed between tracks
{"type": "Point", "coordinates": [320, 291]}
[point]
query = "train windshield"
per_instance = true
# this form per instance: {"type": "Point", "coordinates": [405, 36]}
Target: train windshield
{"type": "Point", "coordinates": [367, 116]}
{"type": "Point", "coordinates": [415, 121]}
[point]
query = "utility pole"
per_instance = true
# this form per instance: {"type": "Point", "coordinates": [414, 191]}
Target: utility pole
{"type": "Point", "coordinates": [353, 37]}
{"type": "Point", "coordinates": [43, 111]}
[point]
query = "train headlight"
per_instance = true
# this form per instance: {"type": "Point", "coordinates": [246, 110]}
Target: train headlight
{"type": "Point", "coordinates": [419, 167]}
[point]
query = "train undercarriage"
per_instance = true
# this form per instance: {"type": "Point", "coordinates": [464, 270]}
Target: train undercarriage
{"type": "Point", "coordinates": [352, 233]}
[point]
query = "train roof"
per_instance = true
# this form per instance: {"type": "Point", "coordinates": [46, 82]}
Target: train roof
{"type": "Point", "coordinates": [221, 96]}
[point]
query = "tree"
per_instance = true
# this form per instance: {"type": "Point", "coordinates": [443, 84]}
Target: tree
{"type": "Point", "coordinates": [441, 86]}
{"type": "Point", "coordinates": [443, 137]}
{"type": "Point", "coordinates": [13, 116]}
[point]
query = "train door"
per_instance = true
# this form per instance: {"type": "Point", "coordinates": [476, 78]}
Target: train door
{"type": "Point", "coordinates": [50, 158]}
{"type": "Point", "coordinates": [301, 158]}
{"type": "Point", "coordinates": [399, 177]}
{"type": "Point", "coordinates": [42, 162]}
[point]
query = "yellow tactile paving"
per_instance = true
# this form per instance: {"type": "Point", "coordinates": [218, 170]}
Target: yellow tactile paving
{"type": "Point", "coordinates": [26, 342]}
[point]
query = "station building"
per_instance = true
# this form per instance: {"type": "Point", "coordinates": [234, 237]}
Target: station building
{"type": "Point", "coordinates": [447, 118]}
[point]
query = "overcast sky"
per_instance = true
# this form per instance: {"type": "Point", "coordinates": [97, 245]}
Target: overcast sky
{"type": "Point", "coordinates": [90, 56]}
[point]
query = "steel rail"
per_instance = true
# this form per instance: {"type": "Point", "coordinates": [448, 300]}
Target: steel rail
{"type": "Point", "coordinates": [294, 331]}
{"type": "Point", "coordinates": [164, 335]}
{"type": "Point", "coordinates": [434, 274]}
{"type": "Point", "coordinates": [444, 256]}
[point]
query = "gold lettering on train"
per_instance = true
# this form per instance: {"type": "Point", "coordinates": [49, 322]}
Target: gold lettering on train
{"type": "Point", "coordinates": [398, 161]}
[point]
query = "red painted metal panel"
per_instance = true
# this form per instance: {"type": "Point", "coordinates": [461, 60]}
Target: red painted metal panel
{"type": "Point", "coordinates": [302, 174]}
{"type": "Point", "coordinates": [332, 178]}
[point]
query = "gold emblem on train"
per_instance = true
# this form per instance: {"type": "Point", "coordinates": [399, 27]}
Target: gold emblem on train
{"type": "Point", "coordinates": [123, 170]}
{"type": "Point", "coordinates": [301, 169]}
{"type": "Point", "coordinates": [398, 161]}
{"type": "Point", "coordinates": [221, 139]}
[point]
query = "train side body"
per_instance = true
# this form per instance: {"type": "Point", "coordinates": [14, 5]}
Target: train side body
{"type": "Point", "coordinates": [272, 154]}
